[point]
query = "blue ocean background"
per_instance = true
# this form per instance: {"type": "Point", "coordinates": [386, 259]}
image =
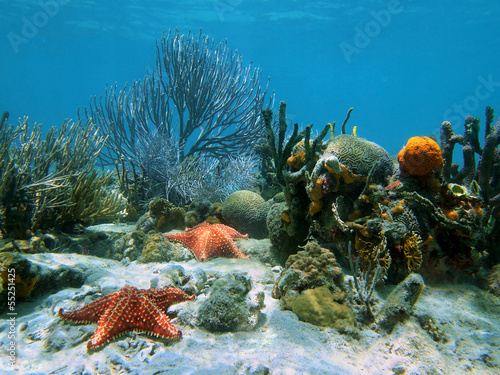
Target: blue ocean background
{"type": "Point", "coordinates": [405, 66]}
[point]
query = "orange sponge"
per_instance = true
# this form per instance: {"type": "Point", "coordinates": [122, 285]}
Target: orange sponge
{"type": "Point", "coordinates": [420, 156]}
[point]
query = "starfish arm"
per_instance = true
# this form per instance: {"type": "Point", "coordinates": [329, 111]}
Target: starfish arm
{"type": "Point", "coordinates": [201, 246]}
{"type": "Point", "coordinates": [231, 231]}
{"type": "Point", "coordinates": [154, 321]}
{"type": "Point", "coordinates": [232, 251]}
{"type": "Point", "coordinates": [116, 319]}
{"type": "Point", "coordinates": [163, 298]}
{"type": "Point", "coordinates": [90, 313]}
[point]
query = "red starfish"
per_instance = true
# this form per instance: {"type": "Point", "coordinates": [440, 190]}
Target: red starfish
{"type": "Point", "coordinates": [129, 309]}
{"type": "Point", "coordinates": [210, 240]}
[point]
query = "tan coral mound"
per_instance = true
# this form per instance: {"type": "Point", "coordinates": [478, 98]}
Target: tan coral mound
{"type": "Point", "coordinates": [246, 211]}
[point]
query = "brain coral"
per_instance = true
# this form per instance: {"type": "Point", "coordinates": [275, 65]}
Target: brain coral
{"type": "Point", "coordinates": [359, 156]}
{"type": "Point", "coordinates": [420, 156]}
{"type": "Point", "coordinates": [246, 211]}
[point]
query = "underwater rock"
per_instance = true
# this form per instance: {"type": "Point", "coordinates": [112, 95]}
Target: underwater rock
{"type": "Point", "coordinates": [197, 213]}
{"type": "Point", "coordinates": [259, 370]}
{"type": "Point", "coordinates": [259, 250]}
{"type": "Point", "coordinates": [32, 278]}
{"type": "Point", "coordinates": [145, 223]}
{"type": "Point", "coordinates": [494, 280]}
{"type": "Point", "coordinates": [318, 306]}
{"type": "Point", "coordinates": [158, 249]}
{"type": "Point", "coordinates": [285, 237]}
{"type": "Point", "coordinates": [228, 307]}
{"type": "Point", "coordinates": [162, 216]}
{"type": "Point", "coordinates": [128, 247]}
{"type": "Point", "coordinates": [399, 303]}
{"type": "Point", "coordinates": [174, 275]}
{"type": "Point", "coordinates": [246, 211]}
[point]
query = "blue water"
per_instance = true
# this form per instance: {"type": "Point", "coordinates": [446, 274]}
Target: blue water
{"type": "Point", "coordinates": [405, 66]}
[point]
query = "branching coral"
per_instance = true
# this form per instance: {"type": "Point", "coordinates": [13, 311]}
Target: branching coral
{"type": "Point", "coordinates": [366, 278]}
{"type": "Point", "coordinates": [487, 172]}
{"type": "Point", "coordinates": [282, 155]}
{"type": "Point", "coordinates": [200, 89]}
{"type": "Point", "coordinates": [199, 177]}
{"type": "Point", "coordinates": [50, 181]}
{"type": "Point", "coordinates": [200, 109]}
{"type": "Point", "coordinates": [412, 252]}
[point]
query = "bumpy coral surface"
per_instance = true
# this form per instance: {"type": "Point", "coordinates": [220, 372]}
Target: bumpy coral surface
{"type": "Point", "coordinates": [420, 156]}
{"type": "Point", "coordinates": [246, 211]}
{"type": "Point", "coordinates": [317, 306]}
{"type": "Point", "coordinates": [309, 268]}
{"type": "Point", "coordinates": [360, 155]}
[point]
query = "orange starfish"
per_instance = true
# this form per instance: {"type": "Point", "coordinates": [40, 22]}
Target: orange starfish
{"type": "Point", "coordinates": [210, 240]}
{"type": "Point", "coordinates": [129, 309]}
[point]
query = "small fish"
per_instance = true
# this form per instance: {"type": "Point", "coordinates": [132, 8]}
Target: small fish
{"type": "Point", "coordinates": [395, 185]}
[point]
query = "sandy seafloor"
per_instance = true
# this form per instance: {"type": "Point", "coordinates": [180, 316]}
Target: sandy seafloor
{"type": "Point", "coordinates": [467, 316]}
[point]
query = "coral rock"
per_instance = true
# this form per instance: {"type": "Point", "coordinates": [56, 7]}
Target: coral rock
{"type": "Point", "coordinates": [309, 268]}
{"type": "Point", "coordinates": [360, 155]}
{"type": "Point", "coordinates": [246, 211]}
{"type": "Point", "coordinates": [317, 306]}
{"type": "Point", "coordinates": [420, 156]}
{"type": "Point", "coordinates": [229, 308]}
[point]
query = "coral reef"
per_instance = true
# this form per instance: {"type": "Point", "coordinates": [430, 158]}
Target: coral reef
{"type": "Point", "coordinates": [387, 228]}
{"type": "Point", "coordinates": [246, 211]}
